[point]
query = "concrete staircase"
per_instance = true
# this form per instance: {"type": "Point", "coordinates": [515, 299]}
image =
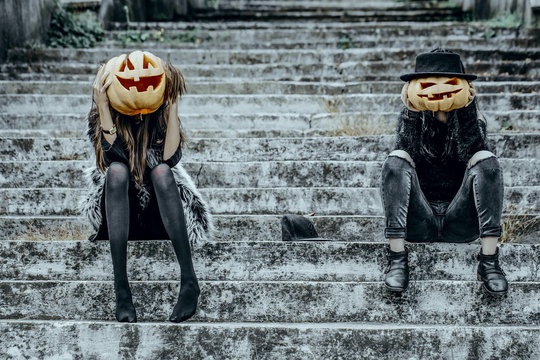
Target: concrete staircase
{"type": "Point", "coordinates": [289, 116]}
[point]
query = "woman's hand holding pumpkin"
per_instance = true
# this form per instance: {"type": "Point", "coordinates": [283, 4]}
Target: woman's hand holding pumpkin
{"type": "Point", "coordinates": [100, 88]}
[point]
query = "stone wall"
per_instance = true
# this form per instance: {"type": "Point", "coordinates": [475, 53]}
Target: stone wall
{"type": "Point", "coordinates": [23, 22]}
{"type": "Point", "coordinates": [142, 10]}
{"type": "Point", "coordinates": [486, 9]}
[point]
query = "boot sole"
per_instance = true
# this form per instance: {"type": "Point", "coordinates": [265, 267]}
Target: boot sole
{"type": "Point", "coordinates": [393, 289]}
{"type": "Point", "coordinates": [493, 293]}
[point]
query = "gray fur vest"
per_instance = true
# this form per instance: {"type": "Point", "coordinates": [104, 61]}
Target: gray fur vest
{"type": "Point", "coordinates": [197, 215]}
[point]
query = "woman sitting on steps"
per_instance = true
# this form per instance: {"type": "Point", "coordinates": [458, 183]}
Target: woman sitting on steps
{"type": "Point", "coordinates": [441, 184]}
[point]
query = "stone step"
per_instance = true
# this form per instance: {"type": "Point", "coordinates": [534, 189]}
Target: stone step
{"type": "Point", "coordinates": [244, 341]}
{"type": "Point", "coordinates": [491, 77]}
{"type": "Point", "coordinates": [259, 125]}
{"type": "Point", "coordinates": [262, 56]}
{"type": "Point", "coordinates": [330, 14]}
{"type": "Point", "coordinates": [520, 228]}
{"type": "Point", "coordinates": [263, 201]}
{"type": "Point", "coordinates": [192, 40]}
{"type": "Point", "coordinates": [350, 148]}
{"type": "Point", "coordinates": [319, 28]}
{"type": "Point", "coordinates": [425, 302]}
{"type": "Point", "coordinates": [250, 104]}
{"type": "Point", "coordinates": [263, 87]}
{"type": "Point", "coordinates": [316, 5]}
{"type": "Point", "coordinates": [255, 261]}
{"type": "Point", "coordinates": [267, 174]}
{"type": "Point", "coordinates": [357, 70]}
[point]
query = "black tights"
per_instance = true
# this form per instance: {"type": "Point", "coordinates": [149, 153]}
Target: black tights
{"type": "Point", "coordinates": [172, 215]}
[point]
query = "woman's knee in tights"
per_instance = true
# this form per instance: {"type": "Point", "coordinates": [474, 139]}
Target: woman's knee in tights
{"type": "Point", "coordinates": [117, 176]}
{"type": "Point", "coordinates": [162, 177]}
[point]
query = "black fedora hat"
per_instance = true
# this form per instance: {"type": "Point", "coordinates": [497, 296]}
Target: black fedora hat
{"type": "Point", "coordinates": [439, 62]}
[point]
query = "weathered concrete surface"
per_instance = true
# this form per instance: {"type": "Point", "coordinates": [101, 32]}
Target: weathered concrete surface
{"type": "Point", "coordinates": [259, 125]}
{"type": "Point", "coordinates": [264, 201]}
{"type": "Point", "coordinates": [260, 174]}
{"type": "Point", "coordinates": [356, 70]}
{"type": "Point", "coordinates": [275, 341]}
{"type": "Point", "coordinates": [231, 228]}
{"type": "Point", "coordinates": [23, 22]}
{"type": "Point", "coordinates": [249, 104]}
{"type": "Point", "coordinates": [261, 56]}
{"type": "Point", "coordinates": [264, 87]}
{"type": "Point", "coordinates": [351, 148]}
{"type": "Point", "coordinates": [255, 261]}
{"type": "Point", "coordinates": [425, 302]}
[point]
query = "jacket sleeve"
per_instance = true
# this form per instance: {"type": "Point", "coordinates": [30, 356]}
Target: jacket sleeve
{"type": "Point", "coordinates": [175, 158]}
{"type": "Point", "coordinates": [408, 132]}
{"type": "Point", "coordinates": [113, 152]}
{"type": "Point", "coordinates": [471, 132]}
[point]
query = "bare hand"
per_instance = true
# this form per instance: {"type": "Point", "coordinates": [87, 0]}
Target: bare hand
{"type": "Point", "coordinates": [100, 87]}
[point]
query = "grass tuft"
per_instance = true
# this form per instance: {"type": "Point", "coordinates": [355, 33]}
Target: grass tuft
{"type": "Point", "coordinates": [515, 226]}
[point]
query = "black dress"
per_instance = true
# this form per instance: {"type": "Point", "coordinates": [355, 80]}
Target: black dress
{"type": "Point", "coordinates": [144, 220]}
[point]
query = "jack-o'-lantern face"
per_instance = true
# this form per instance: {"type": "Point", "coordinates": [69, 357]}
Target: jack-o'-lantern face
{"type": "Point", "coordinates": [438, 93]}
{"type": "Point", "coordinates": [138, 83]}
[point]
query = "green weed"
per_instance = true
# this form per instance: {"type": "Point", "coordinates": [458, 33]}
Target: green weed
{"type": "Point", "coordinates": [74, 30]}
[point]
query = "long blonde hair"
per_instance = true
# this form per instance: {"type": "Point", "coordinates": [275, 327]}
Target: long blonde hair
{"type": "Point", "coordinates": [137, 138]}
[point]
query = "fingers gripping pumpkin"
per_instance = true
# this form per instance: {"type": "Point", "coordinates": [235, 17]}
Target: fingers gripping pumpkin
{"type": "Point", "coordinates": [138, 83]}
{"type": "Point", "coordinates": [437, 93]}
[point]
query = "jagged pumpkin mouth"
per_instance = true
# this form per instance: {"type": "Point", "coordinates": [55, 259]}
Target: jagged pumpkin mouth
{"type": "Point", "coordinates": [143, 84]}
{"type": "Point", "coordinates": [440, 96]}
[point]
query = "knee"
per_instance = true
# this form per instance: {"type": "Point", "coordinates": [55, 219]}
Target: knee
{"type": "Point", "coordinates": [162, 176]}
{"type": "Point", "coordinates": [402, 154]}
{"type": "Point", "coordinates": [398, 159]}
{"type": "Point", "coordinates": [117, 176]}
{"type": "Point", "coordinates": [481, 155]}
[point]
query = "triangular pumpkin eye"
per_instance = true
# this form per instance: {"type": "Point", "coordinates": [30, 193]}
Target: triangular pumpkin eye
{"type": "Point", "coordinates": [147, 61]}
{"type": "Point", "coordinates": [425, 85]}
{"type": "Point", "coordinates": [130, 65]}
{"type": "Point", "coordinates": [452, 81]}
{"type": "Point", "coordinates": [122, 67]}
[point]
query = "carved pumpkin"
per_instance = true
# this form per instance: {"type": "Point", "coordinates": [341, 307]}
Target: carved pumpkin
{"type": "Point", "coordinates": [437, 94]}
{"type": "Point", "coordinates": [138, 83]}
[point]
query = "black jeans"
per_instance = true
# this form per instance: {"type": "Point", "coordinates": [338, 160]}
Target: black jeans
{"type": "Point", "coordinates": [474, 212]}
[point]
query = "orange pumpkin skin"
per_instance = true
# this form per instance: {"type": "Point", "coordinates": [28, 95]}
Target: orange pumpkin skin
{"type": "Point", "coordinates": [437, 94]}
{"type": "Point", "coordinates": [138, 83]}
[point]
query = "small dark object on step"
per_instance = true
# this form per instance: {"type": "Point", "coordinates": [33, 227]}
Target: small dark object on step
{"type": "Point", "coordinates": [297, 227]}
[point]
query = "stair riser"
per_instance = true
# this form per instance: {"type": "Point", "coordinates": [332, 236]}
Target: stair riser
{"type": "Point", "coordinates": [255, 261]}
{"type": "Point", "coordinates": [233, 228]}
{"type": "Point", "coordinates": [252, 104]}
{"type": "Point", "coordinates": [366, 148]}
{"type": "Point", "coordinates": [516, 172]}
{"type": "Point", "coordinates": [348, 71]}
{"type": "Point", "coordinates": [446, 28]}
{"type": "Point", "coordinates": [328, 77]}
{"type": "Point", "coordinates": [329, 201]}
{"type": "Point", "coordinates": [436, 303]}
{"type": "Point", "coordinates": [226, 57]}
{"type": "Point", "coordinates": [427, 43]}
{"type": "Point", "coordinates": [249, 341]}
{"type": "Point", "coordinates": [261, 125]}
{"type": "Point", "coordinates": [269, 87]}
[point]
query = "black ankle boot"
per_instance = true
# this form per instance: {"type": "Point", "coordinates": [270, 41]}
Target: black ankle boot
{"type": "Point", "coordinates": [397, 271]}
{"type": "Point", "coordinates": [490, 272]}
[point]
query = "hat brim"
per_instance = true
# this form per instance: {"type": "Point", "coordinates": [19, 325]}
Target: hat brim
{"type": "Point", "coordinates": [408, 77]}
